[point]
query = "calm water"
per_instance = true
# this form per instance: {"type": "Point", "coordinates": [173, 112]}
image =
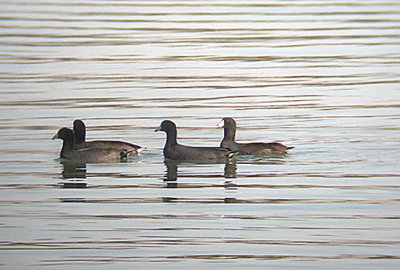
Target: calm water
{"type": "Point", "coordinates": [322, 76]}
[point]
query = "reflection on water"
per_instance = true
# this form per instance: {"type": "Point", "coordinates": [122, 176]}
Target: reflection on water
{"type": "Point", "coordinates": [74, 174]}
{"type": "Point", "coordinates": [172, 168]}
{"type": "Point", "coordinates": [230, 169]}
{"type": "Point", "coordinates": [73, 170]}
{"type": "Point", "coordinates": [322, 76]}
{"type": "Point", "coordinates": [171, 177]}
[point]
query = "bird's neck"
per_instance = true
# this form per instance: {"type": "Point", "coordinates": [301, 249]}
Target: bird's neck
{"type": "Point", "coordinates": [80, 137]}
{"type": "Point", "coordinates": [67, 147]}
{"type": "Point", "coordinates": [229, 134]}
{"type": "Point", "coordinates": [171, 138]}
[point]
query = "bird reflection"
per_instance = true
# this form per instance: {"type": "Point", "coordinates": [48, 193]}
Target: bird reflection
{"type": "Point", "coordinates": [74, 174]}
{"type": "Point", "coordinates": [171, 176]}
{"type": "Point", "coordinates": [230, 188]}
{"type": "Point", "coordinates": [230, 170]}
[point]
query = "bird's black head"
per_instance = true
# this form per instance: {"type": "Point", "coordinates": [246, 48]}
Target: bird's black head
{"type": "Point", "coordinates": [227, 122]}
{"type": "Point", "coordinates": [65, 134]}
{"type": "Point", "coordinates": [79, 131]}
{"type": "Point", "coordinates": [166, 126]}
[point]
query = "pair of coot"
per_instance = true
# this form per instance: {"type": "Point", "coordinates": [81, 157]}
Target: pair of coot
{"type": "Point", "coordinates": [76, 148]}
{"type": "Point", "coordinates": [227, 149]}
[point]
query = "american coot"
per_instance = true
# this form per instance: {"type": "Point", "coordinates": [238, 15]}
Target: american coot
{"type": "Point", "coordinates": [80, 141]}
{"type": "Point", "coordinates": [86, 155]}
{"type": "Point", "coordinates": [174, 150]}
{"type": "Point", "coordinates": [228, 142]}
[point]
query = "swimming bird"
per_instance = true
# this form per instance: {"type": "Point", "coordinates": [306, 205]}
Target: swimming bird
{"type": "Point", "coordinates": [174, 150]}
{"type": "Point", "coordinates": [80, 141]}
{"type": "Point", "coordinates": [257, 148]}
{"type": "Point", "coordinates": [87, 155]}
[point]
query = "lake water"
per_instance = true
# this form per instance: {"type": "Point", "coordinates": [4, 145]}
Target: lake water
{"type": "Point", "coordinates": [322, 76]}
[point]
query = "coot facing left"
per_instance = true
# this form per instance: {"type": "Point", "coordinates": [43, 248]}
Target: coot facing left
{"type": "Point", "coordinates": [87, 155]}
{"type": "Point", "coordinates": [80, 141]}
{"type": "Point", "coordinates": [174, 150]}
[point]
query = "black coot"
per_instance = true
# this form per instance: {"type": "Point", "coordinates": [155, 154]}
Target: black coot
{"type": "Point", "coordinates": [174, 150]}
{"type": "Point", "coordinates": [80, 141]}
{"type": "Point", "coordinates": [87, 155]}
{"type": "Point", "coordinates": [228, 142]}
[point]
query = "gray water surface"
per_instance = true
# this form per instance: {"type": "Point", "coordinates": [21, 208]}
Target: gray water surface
{"type": "Point", "coordinates": [322, 76]}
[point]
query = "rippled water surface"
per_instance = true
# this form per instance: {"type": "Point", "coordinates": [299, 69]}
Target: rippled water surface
{"type": "Point", "coordinates": [322, 76]}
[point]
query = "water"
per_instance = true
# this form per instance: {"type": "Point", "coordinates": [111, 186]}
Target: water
{"type": "Point", "coordinates": [320, 76]}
